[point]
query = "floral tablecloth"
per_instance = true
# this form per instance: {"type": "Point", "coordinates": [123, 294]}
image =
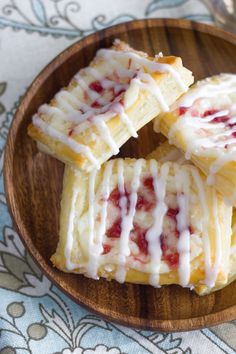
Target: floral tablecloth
{"type": "Point", "coordinates": [35, 317]}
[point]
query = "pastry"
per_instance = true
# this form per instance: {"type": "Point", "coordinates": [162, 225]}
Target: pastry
{"type": "Point", "coordinates": [106, 103]}
{"type": "Point", "coordinates": [144, 222]}
{"type": "Point", "coordinates": [202, 124]}
{"type": "Point", "coordinates": [166, 152]}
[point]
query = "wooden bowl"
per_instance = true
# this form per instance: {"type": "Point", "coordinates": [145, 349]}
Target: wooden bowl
{"type": "Point", "coordinates": [33, 181]}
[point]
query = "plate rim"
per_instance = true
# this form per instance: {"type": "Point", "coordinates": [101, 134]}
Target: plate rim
{"type": "Point", "coordinates": [168, 325]}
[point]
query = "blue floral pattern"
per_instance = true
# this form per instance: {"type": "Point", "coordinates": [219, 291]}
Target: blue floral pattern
{"type": "Point", "coordinates": [62, 20]}
{"type": "Point", "coordinates": [35, 317]}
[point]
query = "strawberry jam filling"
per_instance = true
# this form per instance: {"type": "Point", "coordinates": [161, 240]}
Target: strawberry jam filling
{"type": "Point", "coordinates": [106, 248]}
{"type": "Point", "coordinates": [96, 86]}
{"type": "Point", "coordinates": [224, 118]}
{"type": "Point", "coordinates": [96, 104]}
{"type": "Point", "coordinates": [70, 131]}
{"type": "Point", "coordinates": [139, 237]}
{"type": "Point", "coordinates": [148, 183]}
{"type": "Point", "coordinates": [111, 90]}
{"type": "Point", "coordinates": [115, 230]}
{"type": "Point", "coordinates": [146, 201]}
{"type": "Point", "coordinates": [183, 110]}
{"type": "Point", "coordinates": [115, 197]}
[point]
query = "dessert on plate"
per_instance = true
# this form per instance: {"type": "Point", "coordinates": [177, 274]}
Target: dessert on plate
{"type": "Point", "coordinates": [106, 103]}
{"type": "Point", "coordinates": [166, 152]}
{"type": "Point", "coordinates": [144, 222]}
{"type": "Point", "coordinates": [150, 221]}
{"type": "Point", "coordinates": [202, 124]}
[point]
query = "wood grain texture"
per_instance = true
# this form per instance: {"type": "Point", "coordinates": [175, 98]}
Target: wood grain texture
{"type": "Point", "coordinates": [33, 181]}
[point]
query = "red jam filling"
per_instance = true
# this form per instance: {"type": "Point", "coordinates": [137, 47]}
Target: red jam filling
{"type": "Point", "coordinates": [210, 112]}
{"type": "Point", "coordinates": [96, 104]}
{"type": "Point", "coordinates": [172, 259]}
{"type": "Point", "coordinates": [221, 119]}
{"type": "Point", "coordinates": [71, 131]}
{"type": "Point", "coordinates": [140, 239]}
{"type": "Point", "coordinates": [96, 86]}
{"type": "Point", "coordinates": [106, 248]}
{"type": "Point", "coordinates": [144, 204]}
{"type": "Point", "coordinates": [138, 234]}
{"type": "Point", "coordinates": [183, 110]}
{"type": "Point", "coordinates": [115, 230]}
{"type": "Point", "coordinates": [172, 213]}
{"type": "Point", "coordinates": [148, 183]}
{"type": "Point", "coordinates": [115, 197]}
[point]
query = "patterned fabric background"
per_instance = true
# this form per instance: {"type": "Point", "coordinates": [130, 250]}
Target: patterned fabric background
{"type": "Point", "coordinates": [35, 317]}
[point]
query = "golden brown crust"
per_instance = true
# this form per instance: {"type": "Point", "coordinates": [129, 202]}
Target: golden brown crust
{"type": "Point", "coordinates": [80, 250]}
{"type": "Point", "coordinates": [139, 112]}
{"type": "Point", "coordinates": [225, 177]}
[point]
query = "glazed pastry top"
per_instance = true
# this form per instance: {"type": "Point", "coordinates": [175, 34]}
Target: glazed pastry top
{"type": "Point", "coordinates": [108, 87]}
{"type": "Point", "coordinates": [141, 215]}
{"type": "Point", "coordinates": [207, 121]}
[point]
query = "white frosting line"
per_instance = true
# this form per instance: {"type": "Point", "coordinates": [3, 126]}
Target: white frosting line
{"type": "Point", "coordinates": [205, 235]}
{"type": "Point", "coordinates": [50, 110]}
{"type": "Point", "coordinates": [106, 135]}
{"type": "Point", "coordinates": [91, 215]}
{"type": "Point", "coordinates": [93, 95]}
{"type": "Point", "coordinates": [127, 215]}
{"type": "Point", "coordinates": [182, 218]}
{"type": "Point", "coordinates": [204, 135]}
{"type": "Point", "coordinates": [97, 247]}
{"type": "Point", "coordinates": [146, 82]}
{"type": "Point", "coordinates": [82, 114]}
{"type": "Point", "coordinates": [154, 233]}
{"type": "Point", "coordinates": [72, 144]}
{"type": "Point", "coordinates": [120, 275]}
{"type": "Point", "coordinates": [70, 230]}
{"type": "Point", "coordinates": [118, 108]}
{"type": "Point", "coordinates": [208, 90]}
{"type": "Point", "coordinates": [218, 241]}
{"type": "Point", "coordinates": [151, 65]}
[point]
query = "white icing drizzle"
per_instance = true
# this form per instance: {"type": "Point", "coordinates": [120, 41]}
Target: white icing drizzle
{"type": "Point", "coordinates": [49, 110]}
{"type": "Point", "coordinates": [127, 216]}
{"type": "Point", "coordinates": [120, 275]}
{"type": "Point", "coordinates": [154, 233]}
{"type": "Point", "coordinates": [93, 95]}
{"type": "Point", "coordinates": [146, 82]}
{"type": "Point", "coordinates": [209, 273]}
{"type": "Point", "coordinates": [106, 135]}
{"type": "Point", "coordinates": [160, 175]}
{"type": "Point", "coordinates": [81, 114]}
{"type": "Point", "coordinates": [118, 108]}
{"type": "Point", "coordinates": [218, 250]}
{"type": "Point", "coordinates": [97, 247]}
{"type": "Point", "coordinates": [205, 88]}
{"type": "Point", "coordinates": [182, 218]}
{"type": "Point", "coordinates": [70, 230]}
{"type": "Point", "coordinates": [62, 98]}
{"type": "Point", "coordinates": [205, 136]}
{"type": "Point", "coordinates": [151, 65]}
{"type": "Point", "coordinates": [71, 143]}
{"type": "Point", "coordinates": [91, 215]}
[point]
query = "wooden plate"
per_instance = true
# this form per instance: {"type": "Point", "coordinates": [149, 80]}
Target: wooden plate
{"type": "Point", "coordinates": [33, 180]}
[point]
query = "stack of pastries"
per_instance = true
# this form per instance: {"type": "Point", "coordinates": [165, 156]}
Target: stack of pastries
{"type": "Point", "coordinates": [166, 219]}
